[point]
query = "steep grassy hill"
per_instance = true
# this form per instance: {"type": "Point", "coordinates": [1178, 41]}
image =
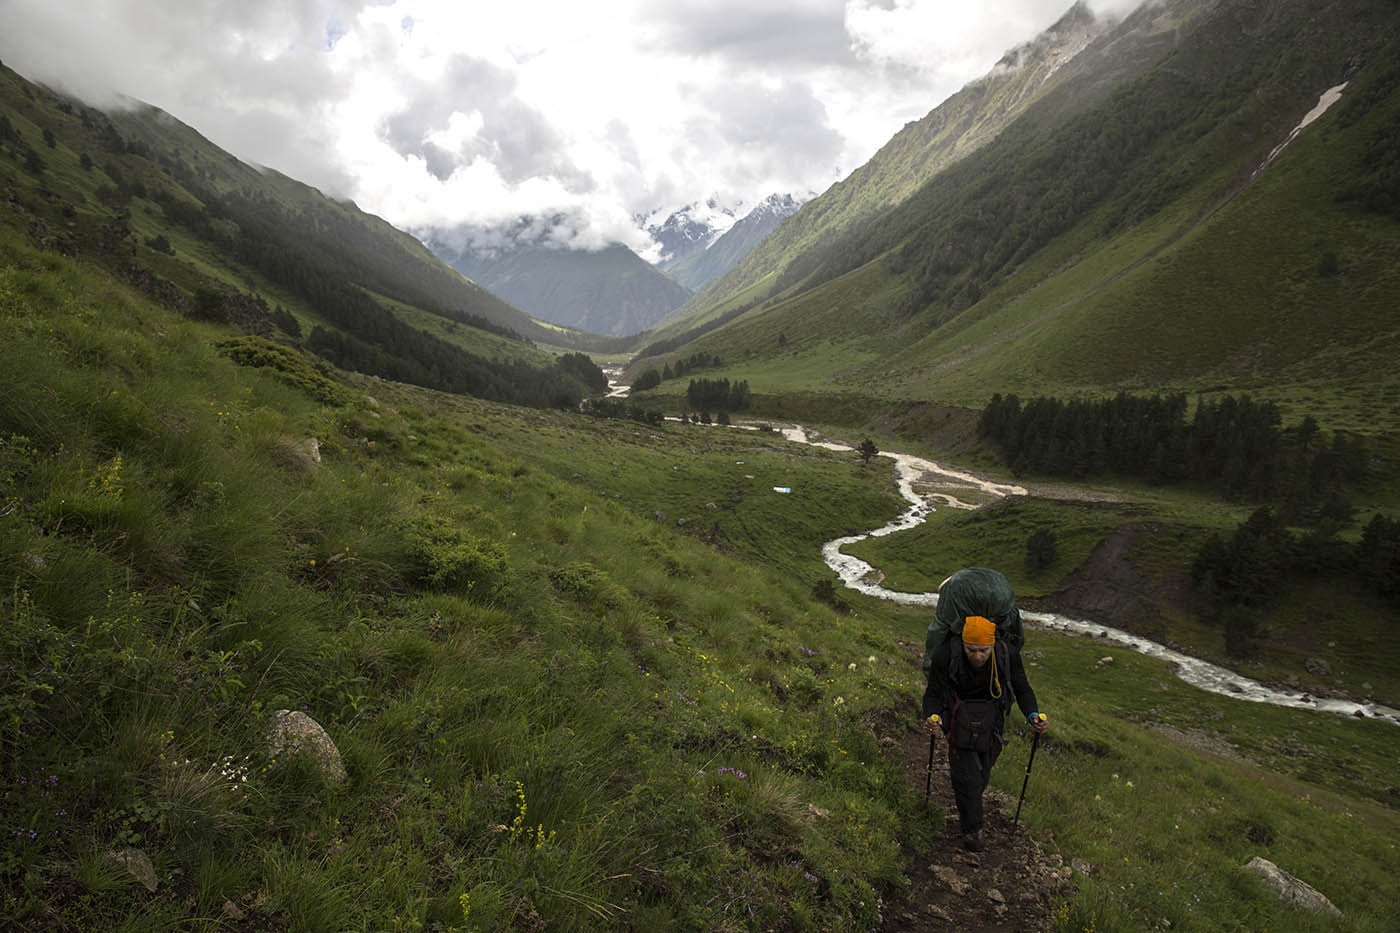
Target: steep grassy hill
{"type": "Point", "coordinates": [953, 130]}
{"type": "Point", "coordinates": [1115, 236]}
{"type": "Point", "coordinates": [392, 264]}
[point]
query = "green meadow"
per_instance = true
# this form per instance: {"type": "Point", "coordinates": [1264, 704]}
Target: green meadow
{"type": "Point", "coordinates": [575, 668]}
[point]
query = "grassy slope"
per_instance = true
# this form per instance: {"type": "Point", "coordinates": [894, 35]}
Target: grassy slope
{"type": "Point", "coordinates": [542, 635]}
{"type": "Point", "coordinates": [534, 681]}
{"type": "Point", "coordinates": [1236, 303]}
{"type": "Point", "coordinates": [921, 149]}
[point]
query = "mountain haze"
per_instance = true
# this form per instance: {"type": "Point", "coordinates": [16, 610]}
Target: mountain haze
{"type": "Point", "coordinates": [609, 291]}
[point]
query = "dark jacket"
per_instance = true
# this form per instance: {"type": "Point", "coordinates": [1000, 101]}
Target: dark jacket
{"type": "Point", "coordinates": [952, 677]}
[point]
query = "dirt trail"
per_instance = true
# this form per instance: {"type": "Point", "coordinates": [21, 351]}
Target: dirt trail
{"type": "Point", "coordinates": [1008, 888]}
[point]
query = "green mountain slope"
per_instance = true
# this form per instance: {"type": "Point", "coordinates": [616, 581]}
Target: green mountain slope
{"type": "Point", "coordinates": [556, 705]}
{"type": "Point", "coordinates": [1129, 244]}
{"type": "Point", "coordinates": [956, 128]}
{"type": "Point", "coordinates": [218, 239]}
{"type": "Point", "coordinates": [390, 262]}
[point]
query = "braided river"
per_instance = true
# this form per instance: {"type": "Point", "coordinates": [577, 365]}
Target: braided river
{"type": "Point", "coordinates": [860, 576]}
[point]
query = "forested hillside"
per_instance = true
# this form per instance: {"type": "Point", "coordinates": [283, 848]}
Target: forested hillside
{"type": "Point", "coordinates": [216, 239]}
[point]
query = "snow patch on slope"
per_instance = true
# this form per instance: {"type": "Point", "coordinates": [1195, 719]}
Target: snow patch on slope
{"type": "Point", "coordinates": [1328, 98]}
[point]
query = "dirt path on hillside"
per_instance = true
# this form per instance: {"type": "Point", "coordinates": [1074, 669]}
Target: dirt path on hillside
{"type": "Point", "coordinates": [1007, 888]}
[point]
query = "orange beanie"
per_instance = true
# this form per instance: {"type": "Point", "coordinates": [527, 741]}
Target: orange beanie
{"type": "Point", "coordinates": [979, 631]}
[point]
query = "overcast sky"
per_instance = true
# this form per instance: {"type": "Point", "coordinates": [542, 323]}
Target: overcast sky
{"type": "Point", "coordinates": [435, 113]}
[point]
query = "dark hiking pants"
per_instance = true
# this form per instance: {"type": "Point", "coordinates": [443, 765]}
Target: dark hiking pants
{"type": "Point", "coordinates": [970, 772]}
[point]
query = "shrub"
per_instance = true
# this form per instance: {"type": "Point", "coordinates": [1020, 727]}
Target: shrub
{"type": "Point", "coordinates": [289, 365]}
{"type": "Point", "coordinates": [450, 558]}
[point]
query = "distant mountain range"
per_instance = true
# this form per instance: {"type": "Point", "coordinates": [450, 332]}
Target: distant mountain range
{"type": "Point", "coordinates": [688, 231]}
{"type": "Point", "coordinates": [610, 291]}
{"type": "Point", "coordinates": [698, 267]}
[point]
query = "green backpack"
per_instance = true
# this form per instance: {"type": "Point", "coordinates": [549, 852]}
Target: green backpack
{"type": "Point", "coordinates": [974, 591]}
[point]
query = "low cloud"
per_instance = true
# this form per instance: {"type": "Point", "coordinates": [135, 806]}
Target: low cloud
{"type": "Point", "coordinates": [438, 114]}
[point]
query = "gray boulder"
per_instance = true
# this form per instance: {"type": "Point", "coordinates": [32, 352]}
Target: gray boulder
{"type": "Point", "coordinates": [137, 864]}
{"type": "Point", "coordinates": [293, 732]}
{"type": "Point", "coordinates": [1290, 890]}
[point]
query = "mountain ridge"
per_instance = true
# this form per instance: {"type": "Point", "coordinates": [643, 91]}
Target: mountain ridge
{"type": "Point", "coordinates": [156, 204]}
{"type": "Point", "coordinates": [727, 250]}
{"type": "Point", "coordinates": [951, 130]}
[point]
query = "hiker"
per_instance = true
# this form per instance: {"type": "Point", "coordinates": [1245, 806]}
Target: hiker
{"type": "Point", "coordinates": [971, 679]}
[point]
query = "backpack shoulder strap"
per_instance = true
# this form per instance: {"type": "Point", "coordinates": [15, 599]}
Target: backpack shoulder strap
{"type": "Point", "coordinates": [1003, 656]}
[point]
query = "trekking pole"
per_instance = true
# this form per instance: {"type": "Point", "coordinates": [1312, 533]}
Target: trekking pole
{"type": "Point", "coordinates": [928, 772]}
{"type": "Point", "coordinates": [1035, 743]}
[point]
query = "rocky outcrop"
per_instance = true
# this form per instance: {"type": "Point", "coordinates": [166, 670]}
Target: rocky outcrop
{"type": "Point", "coordinates": [1317, 667]}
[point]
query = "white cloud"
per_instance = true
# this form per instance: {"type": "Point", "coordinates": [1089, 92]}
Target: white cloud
{"type": "Point", "coordinates": [440, 113]}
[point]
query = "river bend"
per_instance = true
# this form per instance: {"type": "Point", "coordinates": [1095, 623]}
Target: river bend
{"type": "Point", "coordinates": [858, 575]}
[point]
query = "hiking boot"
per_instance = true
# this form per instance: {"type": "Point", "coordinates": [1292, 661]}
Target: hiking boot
{"type": "Point", "coordinates": [973, 841]}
